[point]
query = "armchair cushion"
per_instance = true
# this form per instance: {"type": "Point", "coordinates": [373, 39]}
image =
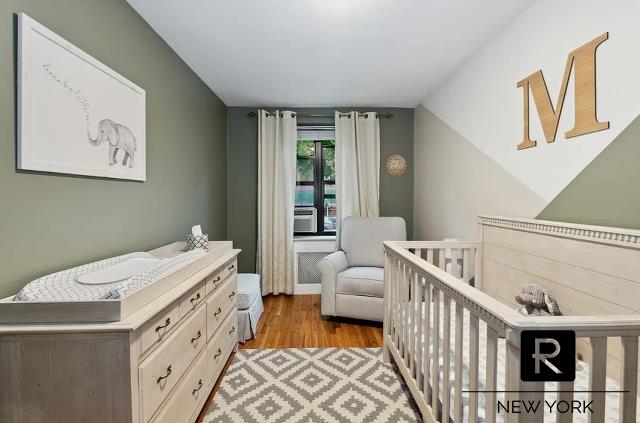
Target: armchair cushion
{"type": "Point", "coordinates": [364, 281]}
{"type": "Point", "coordinates": [362, 237]}
{"type": "Point", "coordinates": [329, 267]}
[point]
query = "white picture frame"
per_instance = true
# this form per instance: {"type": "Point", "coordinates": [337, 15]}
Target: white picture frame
{"type": "Point", "coordinates": [75, 115]}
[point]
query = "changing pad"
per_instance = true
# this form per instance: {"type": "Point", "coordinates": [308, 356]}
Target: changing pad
{"type": "Point", "coordinates": [121, 271]}
{"type": "Point", "coordinates": [103, 279]}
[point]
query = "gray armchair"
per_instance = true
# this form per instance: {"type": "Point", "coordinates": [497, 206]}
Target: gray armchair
{"type": "Point", "coordinates": [353, 277]}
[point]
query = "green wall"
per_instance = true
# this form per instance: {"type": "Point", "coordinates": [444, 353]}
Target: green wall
{"type": "Point", "coordinates": [396, 193]}
{"type": "Point", "coordinates": [607, 191]}
{"type": "Point", "coordinates": [51, 222]}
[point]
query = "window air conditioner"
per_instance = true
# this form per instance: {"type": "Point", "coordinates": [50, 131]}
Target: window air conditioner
{"type": "Point", "coordinates": [305, 219]}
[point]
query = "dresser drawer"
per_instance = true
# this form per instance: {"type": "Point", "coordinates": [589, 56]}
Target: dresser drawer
{"type": "Point", "coordinates": [218, 348]}
{"type": "Point", "coordinates": [191, 393]}
{"type": "Point", "coordinates": [214, 281]}
{"type": "Point", "coordinates": [159, 373]}
{"type": "Point", "coordinates": [232, 267]}
{"type": "Point", "coordinates": [219, 305]}
{"type": "Point", "coordinates": [159, 327]}
{"type": "Point", "coordinates": [192, 299]}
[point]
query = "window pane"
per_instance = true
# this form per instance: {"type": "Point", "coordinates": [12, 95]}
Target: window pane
{"type": "Point", "coordinates": [304, 195]}
{"type": "Point", "coordinates": [329, 213]}
{"type": "Point", "coordinates": [329, 207]}
{"type": "Point", "coordinates": [328, 162]}
{"type": "Point", "coordinates": [304, 170]}
{"type": "Point", "coordinates": [306, 186]}
{"type": "Point", "coordinates": [306, 148]}
{"type": "Point", "coordinates": [329, 175]}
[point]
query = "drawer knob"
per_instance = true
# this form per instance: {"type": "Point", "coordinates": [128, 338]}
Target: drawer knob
{"type": "Point", "coordinates": [217, 312]}
{"type": "Point", "coordinates": [217, 354]}
{"type": "Point", "coordinates": [232, 267]}
{"type": "Point", "coordinates": [198, 388]}
{"type": "Point", "coordinates": [217, 279]}
{"type": "Point", "coordinates": [166, 323]}
{"type": "Point", "coordinates": [165, 376]}
{"type": "Point", "coordinates": [233, 293]}
{"type": "Point", "coordinates": [197, 337]}
{"type": "Point", "coordinates": [196, 298]}
{"type": "Point", "coordinates": [233, 329]}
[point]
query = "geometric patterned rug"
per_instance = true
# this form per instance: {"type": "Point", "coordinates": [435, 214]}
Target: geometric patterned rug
{"type": "Point", "coordinates": [318, 385]}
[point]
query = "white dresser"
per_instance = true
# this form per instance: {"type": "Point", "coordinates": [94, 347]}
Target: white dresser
{"type": "Point", "coordinates": [158, 364]}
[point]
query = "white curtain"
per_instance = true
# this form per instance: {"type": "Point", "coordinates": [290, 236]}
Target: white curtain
{"type": "Point", "coordinates": [357, 166]}
{"type": "Point", "coordinates": [277, 137]}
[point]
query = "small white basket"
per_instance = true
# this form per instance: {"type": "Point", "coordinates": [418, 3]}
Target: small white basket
{"type": "Point", "coordinates": [198, 241]}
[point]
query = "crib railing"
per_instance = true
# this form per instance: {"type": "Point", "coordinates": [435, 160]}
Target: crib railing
{"type": "Point", "coordinates": [422, 277]}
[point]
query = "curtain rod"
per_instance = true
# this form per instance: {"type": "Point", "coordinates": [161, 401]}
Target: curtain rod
{"type": "Point", "coordinates": [304, 115]}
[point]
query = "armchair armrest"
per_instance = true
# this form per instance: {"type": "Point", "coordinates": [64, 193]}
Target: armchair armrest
{"type": "Point", "coordinates": [329, 267]}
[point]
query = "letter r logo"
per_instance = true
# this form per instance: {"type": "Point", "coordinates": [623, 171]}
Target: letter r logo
{"type": "Point", "coordinates": [548, 355]}
{"type": "Point", "coordinates": [539, 357]}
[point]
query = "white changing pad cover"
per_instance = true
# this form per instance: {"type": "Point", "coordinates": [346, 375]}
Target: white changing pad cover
{"type": "Point", "coordinates": [62, 286]}
{"type": "Point", "coordinates": [581, 382]}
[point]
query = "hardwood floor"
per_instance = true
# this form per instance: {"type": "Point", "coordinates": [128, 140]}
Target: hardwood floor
{"type": "Point", "coordinates": [294, 321]}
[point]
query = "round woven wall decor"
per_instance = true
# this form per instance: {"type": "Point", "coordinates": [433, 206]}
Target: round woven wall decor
{"type": "Point", "coordinates": [396, 165]}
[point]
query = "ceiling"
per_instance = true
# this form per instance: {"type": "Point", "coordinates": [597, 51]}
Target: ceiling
{"type": "Point", "coordinates": [314, 53]}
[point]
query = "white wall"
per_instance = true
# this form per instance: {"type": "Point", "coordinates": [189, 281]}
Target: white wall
{"type": "Point", "coordinates": [455, 182]}
{"type": "Point", "coordinates": [482, 103]}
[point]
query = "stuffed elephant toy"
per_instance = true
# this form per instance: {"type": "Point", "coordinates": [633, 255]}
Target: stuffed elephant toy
{"type": "Point", "coordinates": [119, 137]}
{"type": "Point", "coordinates": [536, 301]}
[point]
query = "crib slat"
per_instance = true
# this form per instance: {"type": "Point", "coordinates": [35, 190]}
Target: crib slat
{"type": "Point", "coordinates": [491, 375]}
{"type": "Point", "coordinates": [466, 262]}
{"type": "Point", "coordinates": [517, 390]}
{"type": "Point", "coordinates": [457, 398]}
{"type": "Point", "coordinates": [473, 367]}
{"type": "Point", "coordinates": [628, 379]}
{"type": "Point", "coordinates": [408, 285]}
{"type": "Point", "coordinates": [426, 342]}
{"type": "Point", "coordinates": [441, 261]}
{"type": "Point", "coordinates": [430, 255]}
{"type": "Point", "coordinates": [394, 287]}
{"type": "Point", "coordinates": [420, 349]}
{"type": "Point", "coordinates": [435, 368]}
{"type": "Point", "coordinates": [454, 262]}
{"type": "Point", "coordinates": [388, 269]}
{"type": "Point", "coordinates": [398, 286]}
{"type": "Point", "coordinates": [446, 357]}
{"type": "Point", "coordinates": [401, 309]}
{"type": "Point", "coordinates": [597, 378]}
{"type": "Point", "coordinates": [405, 313]}
{"type": "Point", "coordinates": [418, 252]}
{"type": "Point", "coordinates": [413, 305]}
{"type": "Point", "coordinates": [477, 268]}
{"type": "Point", "coordinates": [392, 304]}
{"type": "Point", "coordinates": [565, 394]}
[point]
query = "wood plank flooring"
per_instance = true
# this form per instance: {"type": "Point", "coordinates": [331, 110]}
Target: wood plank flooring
{"type": "Point", "coordinates": [294, 321]}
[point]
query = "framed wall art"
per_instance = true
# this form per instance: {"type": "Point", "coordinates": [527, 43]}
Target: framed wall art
{"type": "Point", "coordinates": [75, 115]}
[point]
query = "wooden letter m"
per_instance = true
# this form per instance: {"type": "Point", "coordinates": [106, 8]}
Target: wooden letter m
{"type": "Point", "coordinates": [583, 61]}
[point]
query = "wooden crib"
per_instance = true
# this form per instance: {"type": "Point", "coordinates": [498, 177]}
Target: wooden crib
{"type": "Point", "coordinates": [594, 273]}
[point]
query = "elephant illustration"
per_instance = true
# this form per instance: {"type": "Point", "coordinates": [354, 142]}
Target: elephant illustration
{"type": "Point", "coordinates": [119, 136]}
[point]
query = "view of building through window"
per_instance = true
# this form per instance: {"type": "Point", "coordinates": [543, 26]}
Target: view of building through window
{"type": "Point", "coordinates": [316, 181]}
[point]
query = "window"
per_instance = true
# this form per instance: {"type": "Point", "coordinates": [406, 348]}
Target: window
{"type": "Point", "coordinates": [316, 177]}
